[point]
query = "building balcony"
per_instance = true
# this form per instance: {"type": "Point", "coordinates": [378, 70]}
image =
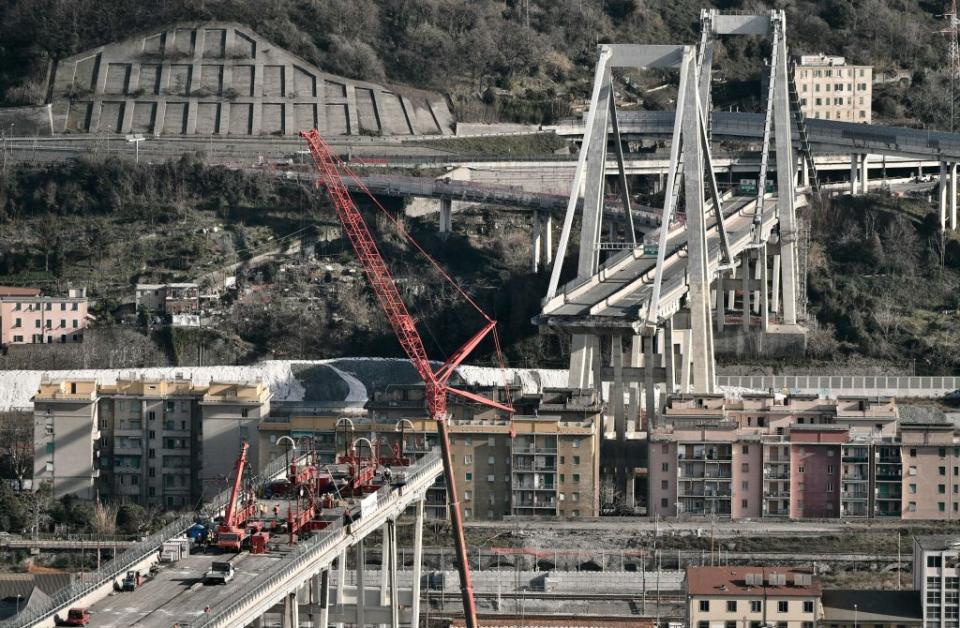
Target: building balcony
{"type": "Point", "coordinates": [854, 495]}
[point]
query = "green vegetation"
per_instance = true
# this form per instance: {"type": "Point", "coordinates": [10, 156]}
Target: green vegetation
{"type": "Point", "coordinates": [500, 59]}
{"type": "Point", "coordinates": [527, 144]}
{"type": "Point", "coordinates": [884, 286]}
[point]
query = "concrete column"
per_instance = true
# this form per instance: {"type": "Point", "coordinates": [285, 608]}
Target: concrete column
{"type": "Point", "coordinates": [361, 567]}
{"type": "Point", "coordinates": [547, 233]}
{"type": "Point", "coordinates": [804, 173]}
{"type": "Point", "coordinates": [764, 289]}
{"type": "Point", "coordinates": [341, 579]}
{"type": "Point", "coordinates": [320, 595]}
{"type": "Point", "coordinates": [385, 550]}
{"type": "Point", "coordinates": [446, 216]}
{"type": "Point", "coordinates": [720, 296]}
{"type": "Point", "coordinates": [668, 359]}
{"type": "Point", "coordinates": [635, 360]}
{"type": "Point", "coordinates": [732, 293]}
{"type": "Point", "coordinates": [619, 419]}
{"type": "Point", "coordinates": [865, 173]}
{"type": "Point", "coordinates": [685, 362]}
{"type": "Point", "coordinates": [291, 610]}
{"type": "Point", "coordinates": [775, 302]}
{"type": "Point", "coordinates": [953, 196]}
{"type": "Point", "coordinates": [649, 387]}
{"type": "Point", "coordinates": [755, 294]}
{"type": "Point", "coordinates": [535, 242]}
{"type": "Point", "coordinates": [745, 275]}
{"type": "Point", "coordinates": [417, 566]}
{"type": "Point", "coordinates": [394, 595]}
{"type": "Point", "coordinates": [943, 195]}
{"type": "Point", "coordinates": [581, 361]}
{"type": "Point", "coordinates": [854, 172]}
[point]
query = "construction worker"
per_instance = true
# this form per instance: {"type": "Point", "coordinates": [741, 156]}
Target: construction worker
{"type": "Point", "coordinates": [276, 510]}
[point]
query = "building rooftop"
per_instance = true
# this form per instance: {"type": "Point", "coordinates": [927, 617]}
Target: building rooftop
{"type": "Point", "coordinates": [14, 291]}
{"type": "Point", "coordinates": [938, 542]}
{"type": "Point", "coordinates": [726, 581]}
{"type": "Point", "coordinates": [561, 621]}
{"type": "Point", "coordinates": [872, 607]}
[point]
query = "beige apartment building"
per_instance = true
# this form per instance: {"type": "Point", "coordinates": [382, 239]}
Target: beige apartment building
{"type": "Point", "coordinates": [800, 457]}
{"type": "Point", "coordinates": [167, 442]}
{"type": "Point", "coordinates": [545, 462]}
{"type": "Point", "coordinates": [829, 89]}
{"type": "Point", "coordinates": [753, 597]}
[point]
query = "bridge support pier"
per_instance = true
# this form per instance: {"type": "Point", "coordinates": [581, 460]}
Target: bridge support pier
{"type": "Point", "coordinates": [775, 287]}
{"type": "Point", "coordinates": [320, 596]}
{"type": "Point", "coordinates": [720, 297]}
{"type": "Point", "coordinates": [417, 564]}
{"type": "Point", "coordinates": [446, 216]}
{"type": "Point", "coordinates": [764, 289]}
{"type": "Point", "coordinates": [864, 173]}
{"type": "Point", "coordinates": [854, 173]}
{"type": "Point", "coordinates": [291, 611]}
{"type": "Point", "coordinates": [341, 579]}
{"type": "Point", "coordinates": [944, 195]}
{"type": "Point", "coordinates": [361, 568]}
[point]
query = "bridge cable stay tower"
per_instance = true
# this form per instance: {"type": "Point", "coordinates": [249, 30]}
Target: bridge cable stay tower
{"type": "Point", "coordinates": [782, 112]}
{"type": "Point", "coordinates": [649, 326]}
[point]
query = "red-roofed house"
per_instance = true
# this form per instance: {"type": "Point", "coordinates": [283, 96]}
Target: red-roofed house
{"type": "Point", "coordinates": [751, 597]}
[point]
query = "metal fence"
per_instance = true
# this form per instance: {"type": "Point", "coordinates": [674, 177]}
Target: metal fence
{"type": "Point", "coordinates": [111, 570]}
{"type": "Point", "coordinates": [895, 385]}
{"type": "Point", "coordinates": [304, 553]}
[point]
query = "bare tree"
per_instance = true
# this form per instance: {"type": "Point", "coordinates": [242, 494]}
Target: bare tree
{"type": "Point", "coordinates": [16, 445]}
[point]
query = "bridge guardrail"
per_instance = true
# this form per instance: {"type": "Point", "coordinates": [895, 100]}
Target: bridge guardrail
{"type": "Point", "coordinates": [305, 552]}
{"type": "Point", "coordinates": [114, 568]}
{"type": "Point", "coordinates": [895, 385]}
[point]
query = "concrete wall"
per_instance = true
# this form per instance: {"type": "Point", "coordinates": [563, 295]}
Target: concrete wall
{"type": "Point", "coordinates": [218, 78]}
{"type": "Point", "coordinates": [849, 385]}
{"type": "Point", "coordinates": [747, 484]}
{"type": "Point", "coordinates": [930, 482]}
{"type": "Point", "coordinates": [663, 479]}
{"type": "Point", "coordinates": [64, 454]}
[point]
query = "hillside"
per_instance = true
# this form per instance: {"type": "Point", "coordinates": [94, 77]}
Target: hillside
{"type": "Point", "coordinates": [516, 60]}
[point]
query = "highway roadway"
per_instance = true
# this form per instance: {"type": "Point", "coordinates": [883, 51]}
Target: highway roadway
{"type": "Point", "coordinates": [177, 593]}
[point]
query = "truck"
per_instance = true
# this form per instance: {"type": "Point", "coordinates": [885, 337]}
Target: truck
{"type": "Point", "coordinates": [75, 617]}
{"type": "Point", "coordinates": [131, 581]}
{"type": "Point", "coordinates": [219, 573]}
{"type": "Point", "coordinates": [173, 550]}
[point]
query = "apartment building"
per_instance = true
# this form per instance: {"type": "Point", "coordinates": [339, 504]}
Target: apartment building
{"type": "Point", "coordinates": [168, 298]}
{"type": "Point", "coordinates": [168, 442]}
{"type": "Point", "coordinates": [27, 317]}
{"type": "Point", "coordinates": [801, 457]}
{"type": "Point", "coordinates": [753, 597]}
{"type": "Point", "coordinates": [545, 462]}
{"type": "Point", "coordinates": [830, 89]}
{"type": "Point", "coordinates": [66, 436]}
{"type": "Point", "coordinates": [936, 575]}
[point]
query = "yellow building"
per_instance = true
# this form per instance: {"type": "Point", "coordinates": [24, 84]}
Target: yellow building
{"type": "Point", "coordinates": [830, 89]}
{"type": "Point", "coordinates": [753, 597]}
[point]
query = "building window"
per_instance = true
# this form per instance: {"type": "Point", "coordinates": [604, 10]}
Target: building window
{"type": "Point", "coordinates": [942, 470]}
{"type": "Point", "coordinates": [491, 460]}
{"type": "Point", "coordinates": [942, 452]}
{"type": "Point", "coordinates": [665, 467]}
{"type": "Point", "coordinates": [754, 606]}
{"type": "Point", "coordinates": [664, 484]}
{"type": "Point", "coordinates": [783, 606]}
{"type": "Point", "coordinates": [576, 460]}
{"type": "Point", "coordinates": [704, 606]}
{"type": "Point", "coordinates": [665, 449]}
{"type": "Point", "coordinates": [743, 504]}
{"type": "Point", "coordinates": [745, 485]}
{"type": "Point", "coordinates": [941, 488]}
{"type": "Point", "coordinates": [746, 449]}
{"type": "Point", "coordinates": [491, 478]}
{"type": "Point", "coordinates": [576, 478]}
{"type": "Point", "coordinates": [468, 459]}
{"type": "Point", "coordinates": [491, 441]}
{"type": "Point", "coordinates": [469, 477]}
{"type": "Point", "coordinates": [562, 478]}
{"type": "Point", "coordinates": [830, 469]}
{"type": "Point", "coordinates": [912, 507]}
{"type": "Point", "coordinates": [50, 448]}
{"type": "Point", "coordinates": [913, 453]}
{"type": "Point", "coordinates": [800, 469]}
{"type": "Point", "coordinates": [745, 467]}
{"type": "Point", "coordinates": [941, 507]}
{"type": "Point", "coordinates": [808, 606]}
{"type": "Point", "coordinates": [663, 502]}
{"type": "Point", "coordinates": [467, 496]}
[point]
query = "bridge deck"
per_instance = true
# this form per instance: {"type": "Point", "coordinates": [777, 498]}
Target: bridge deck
{"type": "Point", "coordinates": [618, 295]}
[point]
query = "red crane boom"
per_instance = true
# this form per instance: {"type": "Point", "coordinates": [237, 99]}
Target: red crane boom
{"type": "Point", "coordinates": [405, 329]}
{"type": "Point", "coordinates": [230, 533]}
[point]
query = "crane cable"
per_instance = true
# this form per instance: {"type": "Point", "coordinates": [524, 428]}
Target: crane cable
{"type": "Point", "coordinates": [344, 167]}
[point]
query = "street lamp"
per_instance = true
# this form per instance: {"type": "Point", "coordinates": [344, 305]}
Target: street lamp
{"type": "Point", "coordinates": [18, 595]}
{"type": "Point", "coordinates": [135, 139]}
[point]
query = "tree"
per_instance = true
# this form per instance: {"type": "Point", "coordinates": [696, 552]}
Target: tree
{"type": "Point", "coordinates": [132, 518]}
{"type": "Point", "coordinates": [12, 514]}
{"type": "Point", "coordinates": [16, 446]}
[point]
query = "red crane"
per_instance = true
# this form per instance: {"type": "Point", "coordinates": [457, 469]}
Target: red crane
{"type": "Point", "coordinates": [230, 532]}
{"type": "Point", "coordinates": [405, 329]}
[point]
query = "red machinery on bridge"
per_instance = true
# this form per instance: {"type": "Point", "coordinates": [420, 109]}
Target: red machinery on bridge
{"type": "Point", "coordinates": [232, 531]}
{"type": "Point", "coordinates": [404, 327]}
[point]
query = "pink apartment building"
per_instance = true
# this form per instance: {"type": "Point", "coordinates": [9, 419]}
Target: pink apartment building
{"type": "Point", "coordinates": [800, 457]}
{"type": "Point", "coordinates": [26, 317]}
